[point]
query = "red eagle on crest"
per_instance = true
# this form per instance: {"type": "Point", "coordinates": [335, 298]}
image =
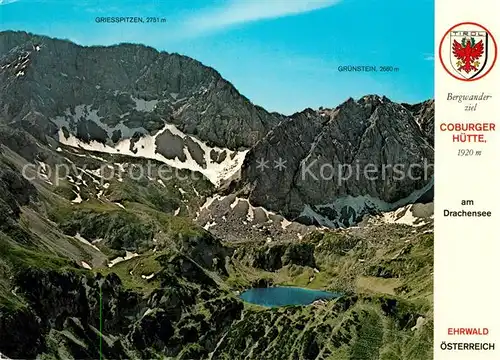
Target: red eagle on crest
{"type": "Point", "coordinates": [468, 52]}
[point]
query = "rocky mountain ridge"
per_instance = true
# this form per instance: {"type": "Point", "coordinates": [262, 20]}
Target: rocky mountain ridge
{"type": "Point", "coordinates": [171, 108]}
{"type": "Point", "coordinates": [44, 77]}
{"type": "Point", "coordinates": [333, 166]}
{"type": "Point", "coordinates": [138, 266]}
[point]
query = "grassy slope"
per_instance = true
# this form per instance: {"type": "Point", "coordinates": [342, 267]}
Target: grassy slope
{"type": "Point", "coordinates": [385, 272]}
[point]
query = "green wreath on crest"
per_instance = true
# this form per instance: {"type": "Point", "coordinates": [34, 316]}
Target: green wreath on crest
{"type": "Point", "coordinates": [472, 42]}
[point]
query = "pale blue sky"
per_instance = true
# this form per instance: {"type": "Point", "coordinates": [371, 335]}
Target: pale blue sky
{"type": "Point", "coordinates": [281, 54]}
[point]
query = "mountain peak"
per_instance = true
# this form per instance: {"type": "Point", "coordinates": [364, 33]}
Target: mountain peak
{"type": "Point", "coordinates": [54, 77]}
{"type": "Point", "coordinates": [368, 131]}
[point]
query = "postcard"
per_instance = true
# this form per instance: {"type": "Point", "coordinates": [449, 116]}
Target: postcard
{"type": "Point", "coordinates": [249, 180]}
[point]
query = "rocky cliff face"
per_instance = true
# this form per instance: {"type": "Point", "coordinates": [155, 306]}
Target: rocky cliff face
{"type": "Point", "coordinates": [333, 166]}
{"type": "Point", "coordinates": [424, 115]}
{"type": "Point", "coordinates": [109, 98]}
{"type": "Point", "coordinates": [131, 85]}
{"type": "Point", "coordinates": [65, 313]}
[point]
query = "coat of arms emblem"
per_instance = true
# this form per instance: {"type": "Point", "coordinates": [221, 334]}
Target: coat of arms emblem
{"type": "Point", "coordinates": [470, 49]}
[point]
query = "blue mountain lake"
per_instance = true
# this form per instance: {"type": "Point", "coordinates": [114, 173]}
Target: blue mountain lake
{"type": "Point", "coordinates": [283, 296]}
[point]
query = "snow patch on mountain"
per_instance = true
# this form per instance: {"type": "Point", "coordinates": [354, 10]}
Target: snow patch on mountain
{"type": "Point", "coordinates": [128, 255]}
{"type": "Point", "coordinates": [85, 241]}
{"type": "Point", "coordinates": [87, 113]}
{"type": "Point", "coordinates": [144, 105]}
{"type": "Point", "coordinates": [147, 147]}
{"type": "Point", "coordinates": [414, 215]}
{"type": "Point", "coordinates": [349, 209]}
{"type": "Point", "coordinates": [403, 215]}
{"type": "Point", "coordinates": [148, 277]}
{"type": "Point", "coordinates": [86, 265]}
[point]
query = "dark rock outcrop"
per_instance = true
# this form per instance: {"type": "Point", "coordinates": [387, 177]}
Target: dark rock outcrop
{"type": "Point", "coordinates": [272, 257]}
{"type": "Point", "coordinates": [133, 85]}
{"type": "Point", "coordinates": [335, 166]}
{"type": "Point", "coordinates": [424, 115]}
{"type": "Point", "coordinates": [15, 191]}
{"type": "Point", "coordinates": [66, 302]}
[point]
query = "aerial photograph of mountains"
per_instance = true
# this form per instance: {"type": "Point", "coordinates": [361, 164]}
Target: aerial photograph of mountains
{"type": "Point", "coordinates": [216, 179]}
